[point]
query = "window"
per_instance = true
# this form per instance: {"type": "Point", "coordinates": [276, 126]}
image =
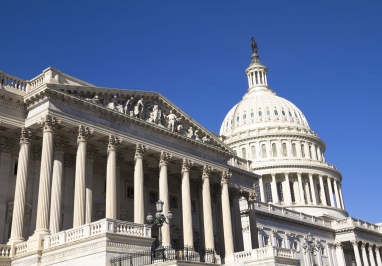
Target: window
{"type": "Point", "coordinates": [292, 191]}
{"type": "Point", "coordinates": [268, 112]}
{"type": "Point", "coordinates": [295, 114]}
{"type": "Point", "coordinates": [193, 205]}
{"type": "Point", "coordinates": [173, 202]}
{"type": "Point", "coordinates": [244, 116]}
{"type": "Point", "coordinates": [263, 151]}
{"type": "Point", "coordinates": [302, 150]}
{"type": "Point", "coordinates": [15, 167]}
{"type": "Point", "coordinates": [280, 242]}
{"type": "Point", "coordinates": [294, 150]}
{"type": "Point", "coordinates": [260, 113]}
{"type": "Point", "coordinates": [276, 113]}
{"type": "Point", "coordinates": [252, 114]}
{"type": "Point", "coordinates": [274, 150]}
{"type": "Point", "coordinates": [310, 152]}
{"type": "Point", "coordinates": [268, 190]}
{"type": "Point", "coordinates": [266, 241]}
{"type": "Point", "coordinates": [237, 119]}
{"type": "Point", "coordinates": [253, 151]}
{"type": "Point", "coordinates": [280, 191]}
{"type": "Point", "coordinates": [153, 196]}
{"type": "Point", "coordinates": [258, 194]}
{"type": "Point", "coordinates": [283, 112]}
{"type": "Point", "coordinates": [285, 152]}
{"type": "Point", "coordinates": [129, 191]}
{"type": "Point", "coordinates": [243, 153]}
{"type": "Point", "coordinates": [290, 114]}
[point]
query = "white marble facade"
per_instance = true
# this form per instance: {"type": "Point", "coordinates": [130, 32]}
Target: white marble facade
{"type": "Point", "coordinates": [81, 167]}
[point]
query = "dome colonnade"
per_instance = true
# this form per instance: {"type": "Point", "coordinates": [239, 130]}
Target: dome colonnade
{"type": "Point", "coordinates": [275, 135]}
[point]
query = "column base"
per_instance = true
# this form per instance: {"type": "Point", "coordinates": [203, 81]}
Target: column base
{"type": "Point", "coordinates": [15, 240]}
{"type": "Point", "coordinates": [36, 242]}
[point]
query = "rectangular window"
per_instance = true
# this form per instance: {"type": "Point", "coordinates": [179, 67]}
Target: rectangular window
{"type": "Point", "coordinates": [173, 201]}
{"type": "Point", "coordinates": [253, 151]}
{"type": "Point", "coordinates": [153, 196]}
{"type": "Point", "coordinates": [129, 191]}
{"type": "Point", "coordinates": [263, 151]}
{"type": "Point", "coordinates": [193, 205]}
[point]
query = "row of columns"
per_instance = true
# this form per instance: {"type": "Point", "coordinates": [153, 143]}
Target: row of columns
{"type": "Point", "coordinates": [364, 254]}
{"type": "Point", "coordinates": [306, 191]}
{"type": "Point", "coordinates": [256, 77]}
{"type": "Point", "coordinates": [51, 179]}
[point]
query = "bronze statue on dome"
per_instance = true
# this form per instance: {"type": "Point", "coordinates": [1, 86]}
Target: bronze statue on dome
{"type": "Point", "coordinates": [253, 45]}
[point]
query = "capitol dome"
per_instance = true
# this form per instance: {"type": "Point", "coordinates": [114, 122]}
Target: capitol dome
{"type": "Point", "coordinates": [274, 135]}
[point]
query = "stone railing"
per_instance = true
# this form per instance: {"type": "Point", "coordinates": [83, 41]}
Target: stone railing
{"type": "Point", "coordinates": [37, 81]}
{"type": "Point", "coordinates": [21, 248]}
{"type": "Point", "coordinates": [240, 163]}
{"type": "Point", "coordinates": [270, 208]}
{"type": "Point", "coordinates": [97, 228]}
{"type": "Point", "coordinates": [262, 253]}
{"type": "Point", "coordinates": [13, 82]}
{"type": "Point", "coordinates": [5, 251]}
{"type": "Point", "coordinates": [352, 222]}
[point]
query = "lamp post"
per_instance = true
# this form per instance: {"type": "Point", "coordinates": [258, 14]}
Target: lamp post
{"type": "Point", "coordinates": [159, 221]}
{"type": "Point", "coordinates": [311, 247]}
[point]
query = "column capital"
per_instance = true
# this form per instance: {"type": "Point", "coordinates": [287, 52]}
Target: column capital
{"type": "Point", "coordinates": [260, 230]}
{"type": "Point", "coordinates": [69, 160]}
{"type": "Point", "coordinates": [48, 123]}
{"type": "Point", "coordinates": [320, 176]}
{"type": "Point", "coordinates": [234, 193]}
{"type": "Point", "coordinates": [252, 196]}
{"type": "Point", "coordinates": [286, 174]}
{"type": "Point", "coordinates": [299, 174]}
{"type": "Point", "coordinates": [164, 158]}
{"type": "Point", "coordinates": [113, 142]}
{"type": "Point", "coordinates": [60, 143]}
{"type": "Point", "coordinates": [6, 145]}
{"type": "Point", "coordinates": [310, 175]}
{"type": "Point", "coordinates": [370, 247]}
{"type": "Point", "coordinates": [207, 170]}
{"type": "Point", "coordinates": [355, 242]}
{"type": "Point", "coordinates": [338, 245]}
{"type": "Point", "coordinates": [140, 150]}
{"type": "Point", "coordinates": [25, 134]}
{"type": "Point", "coordinates": [274, 231]}
{"type": "Point", "coordinates": [363, 245]}
{"type": "Point", "coordinates": [91, 152]}
{"type": "Point", "coordinates": [83, 133]}
{"type": "Point", "coordinates": [225, 176]}
{"type": "Point", "coordinates": [273, 175]}
{"type": "Point", "coordinates": [186, 165]}
{"type": "Point", "coordinates": [377, 247]}
{"type": "Point", "coordinates": [288, 235]}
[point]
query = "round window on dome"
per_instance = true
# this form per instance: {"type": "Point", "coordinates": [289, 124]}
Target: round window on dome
{"type": "Point", "coordinates": [276, 113]}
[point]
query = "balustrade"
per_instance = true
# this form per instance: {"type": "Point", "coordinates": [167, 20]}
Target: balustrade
{"type": "Point", "coordinates": [11, 81]}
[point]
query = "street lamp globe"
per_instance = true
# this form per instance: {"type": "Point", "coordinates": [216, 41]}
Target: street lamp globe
{"type": "Point", "coordinates": [159, 205]}
{"type": "Point", "coordinates": [158, 215]}
{"type": "Point", "coordinates": [149, 218]}
{"type": "Point", "coordinates": [169, 215]}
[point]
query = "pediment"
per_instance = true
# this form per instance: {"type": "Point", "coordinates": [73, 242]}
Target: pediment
{"type": "Point", "coordinates": [151, 108]}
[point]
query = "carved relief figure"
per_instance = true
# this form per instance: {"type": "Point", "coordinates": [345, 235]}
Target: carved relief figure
{"type": "Point", "coordinates": [155, 113]}
{"type": "Point", "coordinates": [171, 123]}
{"type": "Point", "coordinates": [206, 139]}
{"type": "Point", "coordinates": [128, 106]}
{"type": "Point", "coordinates": [196, 134]}
{"type": "Point", "coordinates": [190, 132]}
{"type": "Point", "coordinates": [179, 127]}
{"type": "Point", "coordinates": [139, 109]}
{"type": "Point", "coordinates": [95, 99]}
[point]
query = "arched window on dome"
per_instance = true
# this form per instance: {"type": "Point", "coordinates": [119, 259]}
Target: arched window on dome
{"type": "Point", "coordinates": [310, 152]}
{"type": "Point", "coordinates": [258, 194]}
{"type": "Point", "coordinates": [268, 113]}
{"type": "Point", "coordinates": [283, 113]}
{"type": "Point", "coordinates": [268, 191]}
{"type": "Point", "coordinates": [274, 150]}
{"type": "Point", "coordinates": [243, 153]}
{"type": "Point", "coordinates": [276, 113]}
{"type": "Point", "coordinates": [263, 151]}
{"type": "Point", "coordinates": [260, 113]}
{"type": "Point", "coordinates": [237, 118]}
{"type": "Point", "coordinates": [302, 150]}
{"type": "Point", "coordinates": [295, 115]}
{"type": "Point", "coordinates": [252, 114]}
{"type": "Point", "coordinates": [292, 191]}
{"type": "Point", "coordinates": [244, 116]}
{"type": "Point", "coordinates": [280, 191]}
{"type": "Point", "coordinates": [253, 152]}
{"type": "Point", "coordinates": [316, 153]}
{"type": "Point", "coordinates": [294, 150]}
{"type": "Point", "coordinates": [285, 152]}
{"type": "Point", "coordinates": [290, 114]}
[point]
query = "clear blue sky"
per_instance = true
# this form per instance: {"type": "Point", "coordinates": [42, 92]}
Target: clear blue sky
{"type": "Point", "coordinates": [324, 56]}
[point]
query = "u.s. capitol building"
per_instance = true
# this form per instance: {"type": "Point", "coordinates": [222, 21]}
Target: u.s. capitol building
{"type": "Point", "coordinates": [81, 168]}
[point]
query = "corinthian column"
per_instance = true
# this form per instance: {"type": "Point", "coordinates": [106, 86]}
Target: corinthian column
{"type": "Point", "coordinates": [235, 196]}
{"type": "Point", "coordinates": [337, 194]}
{"type": "Point", "coordinates": [356, 253]}
{"type": "Point", "coordinates": [300, 189]}
{"type": "Point", "coordinates": [371, 256]}
{"type": "Point", "coordinates": [186, 204]}
{"type": "Point", "coordinates": [207, 210]}
{"type": "Point", "coordinates": [252, 220]}
{"type": "Point", "coordinates": [378, 255]}
{"type": "Point", "coordinates": [139, 208]}
{"type": "Point", "coordinates": [312, 189]}
{"type": "Point", "coordinates": [323, 197]}
{"type": "Point", "coordinates": [364, 255]}
{"type": "Point", "coordinates": [48, 123]}
{"type": "Point", "coordinates": [328, 180]}
{"type": "Point", "coordinates": [91, 153]}
{"type": "Point", "coordinates": [111, 177]}
{"type": "Point", "coordinates": [83, 133]}
{"type": "Point", "coordinates": [228, 237]}
{"type": "Point", "coordinates": [55, 206]}
{"type": "Point", "coordinates": [340, 254]}
{"type": "Point", "coordinates": [163, 194]}
{"type": "Point", "coordinates": [21, 188]}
